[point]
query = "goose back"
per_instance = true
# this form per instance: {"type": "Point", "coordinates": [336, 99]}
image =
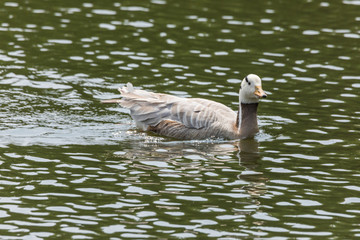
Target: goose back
{"type": "Point", "coordinates": [182, 118]}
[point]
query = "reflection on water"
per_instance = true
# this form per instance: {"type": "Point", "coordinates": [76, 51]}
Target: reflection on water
{"type": "Point", "coordinates": [250, 158]}
{"type": "Point", "coordinates": [152, 190]}
{"type": "Point", "coordinates": [175, 189]}
{"type": "Point", "coordinates": [73, 168]}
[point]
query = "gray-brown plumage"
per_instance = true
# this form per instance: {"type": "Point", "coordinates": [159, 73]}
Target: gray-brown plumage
{"type": "Point", "coordinates": [194, 118]}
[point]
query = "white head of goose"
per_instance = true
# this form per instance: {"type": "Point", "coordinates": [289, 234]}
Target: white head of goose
{"type": "Point", "coordinates": [194, 118]}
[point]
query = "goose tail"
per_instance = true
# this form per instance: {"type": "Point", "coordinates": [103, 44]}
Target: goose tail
{"type": "Point", "coordinates": [129, 88]}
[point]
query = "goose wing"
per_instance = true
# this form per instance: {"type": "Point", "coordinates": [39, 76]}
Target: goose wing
{"type": "Point", "coordinates": [149, 109]}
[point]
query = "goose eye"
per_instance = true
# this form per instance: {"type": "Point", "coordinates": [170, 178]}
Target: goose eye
{"type": "Point", "coordinates": [247, 80]}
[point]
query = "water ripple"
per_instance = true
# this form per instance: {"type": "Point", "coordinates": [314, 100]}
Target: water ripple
{"type": "Point", "coordinates": [74, 168]}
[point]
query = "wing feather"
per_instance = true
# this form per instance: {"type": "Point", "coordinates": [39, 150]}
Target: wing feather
{"type": "Point", "coordinates": [149, 109]}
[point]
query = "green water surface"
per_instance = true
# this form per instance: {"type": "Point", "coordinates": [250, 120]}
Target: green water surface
{"type": "Point", "coordinates": [73, 168]}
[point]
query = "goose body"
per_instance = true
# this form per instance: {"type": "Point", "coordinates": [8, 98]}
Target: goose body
{"type": "Point", "coordinates": [194, 118]}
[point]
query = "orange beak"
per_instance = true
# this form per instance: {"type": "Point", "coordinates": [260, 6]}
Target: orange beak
{"type": "Point", "coordinates": [260, 92]}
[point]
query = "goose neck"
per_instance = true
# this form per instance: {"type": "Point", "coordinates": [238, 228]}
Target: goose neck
{"type": "Point", "coordinates": [247, 122]}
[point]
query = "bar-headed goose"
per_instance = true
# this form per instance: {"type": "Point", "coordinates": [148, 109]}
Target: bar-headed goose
{"type": "Point", "coordinates": [194, 118]}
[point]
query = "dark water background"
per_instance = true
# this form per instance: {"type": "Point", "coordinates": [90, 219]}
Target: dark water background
{"type": "Point", "coordinates": [72, 168]}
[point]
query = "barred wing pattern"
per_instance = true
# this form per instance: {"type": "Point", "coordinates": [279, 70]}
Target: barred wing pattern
{"type": "Point", "coordinates": [184, 118]}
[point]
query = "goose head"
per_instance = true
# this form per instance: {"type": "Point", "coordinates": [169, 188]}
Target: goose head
{"type": "Point", "coordinates": [251, 90]}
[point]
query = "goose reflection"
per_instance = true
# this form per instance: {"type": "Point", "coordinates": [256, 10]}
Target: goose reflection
{"type": "Point", "coordinates": [202, 157]}
{"type": "Point", "coordinates": [249, 157]}
{"type": "Point", "coordinates": [216, 174]}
